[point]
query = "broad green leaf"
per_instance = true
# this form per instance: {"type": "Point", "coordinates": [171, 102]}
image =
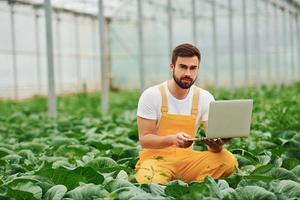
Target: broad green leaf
{"type": "Point", "coordinates": [289, 188]}
{"type": "Point", "coordinates": [72, 151]}
{"type": "Point", "coordinates": [62, 163]}
{"type": "Point", "coordinates": [290, 163]}
{"type": "Point", "coordinates": [4, 197]}
{"type": "Point", "coordinates": [262, 170]}
{"type": "Point", "coordinates": [296, 170]}
{"type": "Point", "coordinates": [157, 189]}
{"type": "Point", "coordinates": [33, 146]}
{"type": "Point", "coordinates": [242, 160]}
{"type": "Point", "coordinates": [266, 144]}
{"type": "Point", "coordinates": [253, 193]}
{"type": "Point", "coordinates": [282, 174]}
{"type": "Point", "coordinates": [254, 182]}
{"type": "Point", "coordinates": [278, 162]}
{"type": "Point", "coordinates": [25, 191]}
{"type": "Point", "coordinates": [213, 187]}
{"type": "Point", "coordinates": [6, 147]}
{"type": "Point", "coordinates": [100, 145]}
{"type": "Point", "coordinates": [247, 169]}
{"type": "Point", "coordinates": [116, 184]}
{"type": "Point", "coordinates": [122, 175]}
{"type": "Point", "coordinates": [154, 189]}
{"type": "Point", "coordinates": [227, 193]}
{"type": "Point", "coordinates": [27, 153]}
{"type": "Point", "coordinates": [70, 178]}
{"type": "Point", "coordinates": [198, 191]}
{"type": "Point", "coordinates": [125, 193]}
{"type": "Point", "coordinates": [87, 191]}
{"type": "Point", "coordinates": [147, 196]}
{"type": "Point", "coordinates": [102, 164]}
{"type": "Point", "coordinates": [61, 141]}
{"type": "Point", "coordinates": [16, 168]}
{"type": "Point", "coordinates": [176, 189]}
{"type": "Point", "coordinates": [4, 152]}
{"type": "Point", "coordinates": [222, 184]}
{"type": "Point", "coordinates": [12, 158]}
{"type": "Point", "coordinates": [264, 178]}
{"type": "Point", "coordinates": [264, 159]}
{"type": "Point", "coordinates": [56, 192]}
{"type": "Point", "coordinates": [38, 180]}
{"type": "Point", "coordinates": [246, 154]}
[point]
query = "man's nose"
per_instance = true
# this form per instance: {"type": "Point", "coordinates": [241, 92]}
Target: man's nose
{"type": "Point", "coordinates": [188, 72]}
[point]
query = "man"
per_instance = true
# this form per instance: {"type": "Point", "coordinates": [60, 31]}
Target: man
{"type": "Point", "coordinates": [168, 116]}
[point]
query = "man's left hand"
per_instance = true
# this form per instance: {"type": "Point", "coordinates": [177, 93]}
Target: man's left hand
{"type": "Point", "coordinates": [215, 145]}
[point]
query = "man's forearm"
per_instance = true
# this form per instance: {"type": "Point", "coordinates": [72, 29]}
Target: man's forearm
{"type": "Point", "coordinates": [153, 141]}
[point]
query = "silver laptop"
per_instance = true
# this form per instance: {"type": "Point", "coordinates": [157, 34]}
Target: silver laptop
{"type": "Point", "coordinates": [229, 118]}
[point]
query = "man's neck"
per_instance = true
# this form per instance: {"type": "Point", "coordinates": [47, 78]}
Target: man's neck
{"type": "Point", "coordinates": [177, 91]}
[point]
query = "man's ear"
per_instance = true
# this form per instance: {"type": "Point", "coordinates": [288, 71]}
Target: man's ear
{"type": "Point", "coordinates": [172, 67]}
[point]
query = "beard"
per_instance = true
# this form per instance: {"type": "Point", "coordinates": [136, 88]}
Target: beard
{"type": "Point", "coordinates": [181, 81]}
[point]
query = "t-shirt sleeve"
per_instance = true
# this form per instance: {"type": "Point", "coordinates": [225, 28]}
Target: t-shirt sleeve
{"type": "Point", "coordinates": [148, 103]}
{"type": "Point", "coordinates": [208, 98]}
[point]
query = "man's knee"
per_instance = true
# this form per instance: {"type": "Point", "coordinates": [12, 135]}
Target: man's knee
{"type": "Point", "coordinates": [227, 160]}
{"type": "Point", "coordinates": [143, 176]}
{"type": "Point", "coordinates": [230, 162]}
{"type": "Point", "coordinates": [150, 172]}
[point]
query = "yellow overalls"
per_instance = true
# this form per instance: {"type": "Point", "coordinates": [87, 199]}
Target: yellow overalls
{"type": "Point", "coordinates": [166, 164]}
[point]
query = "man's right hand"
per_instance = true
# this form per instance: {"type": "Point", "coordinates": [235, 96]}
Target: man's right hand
{"type": "Point", "coordinates": [181, 140]}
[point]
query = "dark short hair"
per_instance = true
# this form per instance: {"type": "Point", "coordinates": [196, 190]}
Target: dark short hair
{"type": "Point", "coordinates": [185, 50]}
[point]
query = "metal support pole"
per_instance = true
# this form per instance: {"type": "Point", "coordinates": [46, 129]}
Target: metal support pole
{"type": "Point", "coordinates": [194, 26]}
{"type": "Point", "coordinates": [108, 53]}
{"type": "Point", "coordinates": [49, 40]}
{"type": "Point", "coordinates": [231, 55]}
{"type": "Point", "coordinates": [170, 27]}
{"type": "Point", "coordinates": [245, 42]}
{"type": "Point", "coordinates": [293, 67]}
{"type": "Point", "coordinates": [94, 57]}
{"type": "Point", "coordinates": [77, 49]}
{"type": "Point", "coordinates": [276, 38]}
{"type": "Point", "coordinates": [267, 39]}
{"type": "Point", "coordinates": [298, 42]}
{"type": "Point", "coordinates": [103, 52]}
{"type": "Point", "coordinates": [58, 46]}
{"type": "Point", "coordinates": [38, 50]}
{"type": "Point", "coordinates": [215, 44]}
{"type": "Point", "coordinates": [257, 45]}
{"type": "Point", "coordinates": [194, 22]}
{"type": "Point", "coordinates": [13, 51]}
{"type": "Point", "coordinates": [284, 45]}
{"type": "Point", "coordinates": [141, 46]}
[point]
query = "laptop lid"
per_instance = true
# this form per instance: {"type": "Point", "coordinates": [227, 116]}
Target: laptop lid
{"type": "Point", "coordinates": [229, 118]}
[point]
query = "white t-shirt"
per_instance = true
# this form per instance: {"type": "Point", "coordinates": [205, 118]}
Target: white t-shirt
{"type": "Point", "coordinates": [149, 106]}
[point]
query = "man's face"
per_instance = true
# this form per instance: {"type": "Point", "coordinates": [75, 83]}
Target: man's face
{"type": "Point", "coordinates": [185, 71]}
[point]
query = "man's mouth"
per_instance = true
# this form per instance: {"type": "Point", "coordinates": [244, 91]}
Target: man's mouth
{"type": "Point", "coordinates": [187, 79]}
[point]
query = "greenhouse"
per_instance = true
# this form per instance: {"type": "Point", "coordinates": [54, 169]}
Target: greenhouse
{"type": "Point", "coordinates": [80, 117]}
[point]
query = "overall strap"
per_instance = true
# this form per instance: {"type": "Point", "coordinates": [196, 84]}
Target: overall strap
{"type": "Point", "coordinates": [164, 102]}
{"type": "Point", "coordinates": [195, 103]}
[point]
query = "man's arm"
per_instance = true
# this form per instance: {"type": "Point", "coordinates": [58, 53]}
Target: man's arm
{"type": "Point", "coordinates": [148, 137]}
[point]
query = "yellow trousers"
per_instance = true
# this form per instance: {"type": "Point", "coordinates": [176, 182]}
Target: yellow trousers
{"type": "Point", "coordinates": [187, 166]}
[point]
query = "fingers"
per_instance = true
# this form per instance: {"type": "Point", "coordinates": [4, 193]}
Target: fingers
{"type": "Point", "coordinates": [215, 145]}
{"type": "Point", "coordinates": [182, 140]}
{"type": "Point", "coordinates": [219, 141]}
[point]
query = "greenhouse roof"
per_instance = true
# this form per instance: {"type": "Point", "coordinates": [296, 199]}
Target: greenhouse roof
{"type": "Point", "coordinates": [113, 7]}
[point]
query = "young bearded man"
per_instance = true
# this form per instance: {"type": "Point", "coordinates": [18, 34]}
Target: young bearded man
{"type": "Point", "coordinates": [168, 116]}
